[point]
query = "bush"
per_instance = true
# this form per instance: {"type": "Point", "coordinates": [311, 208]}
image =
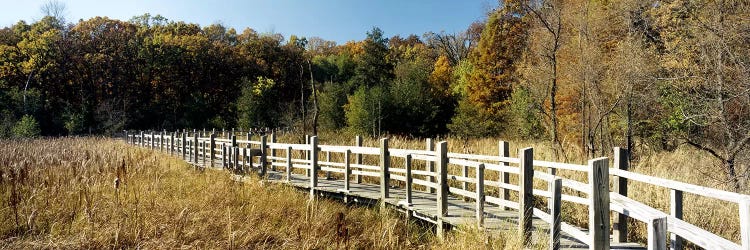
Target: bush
{"type": "Point", "coordinates": [331, 101]}
{"type": "Point", "coordinates": [27, 127]}
{"type": "Point", "coordinates": [471, 121]}
{"type": "Point", "coordinates": [525, 117]}
{"type": "Point", "coordinates": [362, 110]}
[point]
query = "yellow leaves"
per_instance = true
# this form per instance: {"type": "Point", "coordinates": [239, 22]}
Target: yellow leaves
{"type": "Point", "coordinates": [441, 76]}
{"type": "Point", "coordinates": [262, 85]}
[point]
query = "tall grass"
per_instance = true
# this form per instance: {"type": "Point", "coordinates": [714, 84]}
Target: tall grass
{"type": "Point", "coordinates": [101, 193]}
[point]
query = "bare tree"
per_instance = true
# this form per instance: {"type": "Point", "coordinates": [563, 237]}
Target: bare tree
{"type": "Point", "coordinates": [56, 9]}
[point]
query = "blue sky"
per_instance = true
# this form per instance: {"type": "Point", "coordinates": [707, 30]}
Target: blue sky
{"type": "Point", "coordinates": [337, 20]}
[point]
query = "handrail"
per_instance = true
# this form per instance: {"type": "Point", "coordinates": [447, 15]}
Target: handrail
{"type": "Point", "coordinates": [228, 152]}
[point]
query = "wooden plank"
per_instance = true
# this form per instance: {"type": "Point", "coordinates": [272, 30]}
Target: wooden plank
{"type": "Point", "coordinates": [525, 196]}
{"type": "Point", "coordinates": [212, 143]}
{"type": "Point", "coordinates": [195, 148]}
{"type": "Point", "coordinates": [263, 153]}
{"type": "Point", "coordinates": [620, 227]}
{"type": "Point", "coordinates": [560, 165]}
{"type": "Point", "coordinates": [424, 183]}
{"type": "Point", "coordinates": [442, 190]}
{"type": "Point", "coordinates": [685, 187]}
{"type": "Point", "coordinates": [503, 149]}
{"type": "Point", "coordinates": [385, 163]}
{"type": "Point", "coordinates": [480, 196]}
{"type": "Point", "coordinates": [675, 209]}
{"type": "Point", "coordinates": [313, 166]}
{"type": "Point", "coordinates": [699, 236]}
{"type": "Point", "coordinates": [745, 224]}
{"type": "Point", "coordinates": [358, 158]}
{"type": "Point", "coordinates": [430, 165]}
{"type": "Point", "coordinates": [599, 204]}
{"type": "Point", "coordinates": [273, 152]}
{"type": "Point", "coordinates": [288, 163]}
{"type": "Point", "coordinates": [657, 234]}
{"type": "Point", "coordinates": [347, 169]}
{"type": "Point", "coordinates": [407, 166]}
{"type": "Point", "coordinates": [182, 143]}
{"type": "Point", "coordinates": [554, 211]}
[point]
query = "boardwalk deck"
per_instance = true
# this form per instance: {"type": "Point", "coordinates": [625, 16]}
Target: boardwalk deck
{"type": "Point", "coordinates": [454, 203]}
{"type": "Point", "coordinates": [460, 212]}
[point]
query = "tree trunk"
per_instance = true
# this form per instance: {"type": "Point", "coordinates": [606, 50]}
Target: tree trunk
{"type": "Point", "coordinates": [315, 100]}
{"type": "Point", "coordinates": [732, 172]}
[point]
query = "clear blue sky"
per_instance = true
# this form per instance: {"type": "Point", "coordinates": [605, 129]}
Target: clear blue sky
{"type": "Point", "coordinates": [337, 20]}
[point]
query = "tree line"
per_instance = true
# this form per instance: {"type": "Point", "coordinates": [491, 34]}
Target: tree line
{"type": "Point", "coordinates": [645, 75]}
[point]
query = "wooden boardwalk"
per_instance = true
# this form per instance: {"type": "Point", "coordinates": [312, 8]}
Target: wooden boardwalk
{"type": "Point", "coordinates": [463, 200]}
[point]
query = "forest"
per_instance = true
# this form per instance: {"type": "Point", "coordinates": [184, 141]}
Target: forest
{"type": "Point", "coordinates": [589, 75]}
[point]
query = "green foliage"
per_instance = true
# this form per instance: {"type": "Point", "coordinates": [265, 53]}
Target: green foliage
{"type": "Point", "coordinates": [331, 101]}
{"type": "Point", "coordinates": [27, 127]}
{"type": "Point", "coordinates": [362, 110]}
{"type": "Point", "coordinates": [253, 105]}
{"type": "Point", "coordinates": [75, 122]}
{"type": "Point", "coordinates": [373, 68]}
{"type": "Point", "coordinates": [525, 118]}
{"type": "Point", "coordinates": [471, 121]}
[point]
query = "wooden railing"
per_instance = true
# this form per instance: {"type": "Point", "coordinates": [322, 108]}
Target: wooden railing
{"type": "Point", "coordinates": [238, 155]}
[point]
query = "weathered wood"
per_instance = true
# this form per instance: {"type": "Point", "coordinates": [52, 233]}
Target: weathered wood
{"type": "Point", "coordinates": [152, 142]}
{"type": "Point", "coordinates": [289, 164]}
{"type": "Point", "coordinates": [745, 224]}
{"type": "Point", "coordinates": [183, 145]}
{"type": "Point", "coordinates": [657, 233]}
{"type": "Point", "coordinates": [554, 211]}
{"type": "Point", "coordinates": [263, 153]}
{"type": "Point", "coordinates": [347, 169]}
{"type": "Point", "coordinates": [430, 165]}
{"type": "Point", "coordinates": [442, 190]}
{"type": "Point", "coordinates": [685, 187]}
{"type": "Point", "coordinates": [212, 144]}
{"type": "Point", "coordinates": [409, 179]}
{"type": "Point", "coordinates": [235, 159]}
{"type": "Point", "coordinates": [599, 203]}
{"type": "Point", "coordinates": [195, 148]}
{"type": "Point", "coordinates": [675, 209]}
{"type": "Point", "coordinates": [313, 165]}
{"type": "Point", "coordinates": [171, 143]}
{"type": "Point", "coordinates": [504, 177]}
{"type": "Point", "coordinates": [465, 183]}
{"type": "Point", "coordinates": [385, 163]}
{"type": "Point", "coordinates": [328, 159]}
{"type": "Point", "coordinates": [525, 196]}
{"type": "Point", "coordinates": [480, 195]}
{"type": "Point", "coordinates": [358, 159]}
{"type": "Point", "coordinates": [620, 227]}
{"type": "Point", "coordinates": [273, 152]}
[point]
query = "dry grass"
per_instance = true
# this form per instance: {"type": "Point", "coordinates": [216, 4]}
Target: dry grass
{"type": "Point", "coordinates": [684, 164]}
{"type": "Point", "coordinates": [99, 193]}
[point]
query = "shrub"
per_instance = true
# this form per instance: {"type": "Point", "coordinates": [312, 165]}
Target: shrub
{"type": "Point", "coordinates": [27, 127]}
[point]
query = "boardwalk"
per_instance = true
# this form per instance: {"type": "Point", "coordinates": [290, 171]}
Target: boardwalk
{"type": "Point", "coordinates": [459, 198]}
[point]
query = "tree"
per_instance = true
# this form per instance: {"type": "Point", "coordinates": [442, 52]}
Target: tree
{"type": "Point", "coordinates": [705, 44]}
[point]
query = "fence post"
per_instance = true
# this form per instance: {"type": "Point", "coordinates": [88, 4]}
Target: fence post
{"type": "Point", "coordinates": [183, 142]}
{"type": "Point", "coordinates": [526, 195]}
{"type": "Point", "coordinates": [657, 233]}
{"type": "Point", "coordinates": [263, 152]}
{"type": "Point", "coordinates": [620, 228]}
{"type": "Point", "coordinates": [442, 190]}
{"type": "Point", "coordinates": [152, 140]}
{"type": "Point", "coordinates": [212, 144]}
{"type": "Point", "coordinates": [554, 211]}
{"type": "Point", "coordinates": [385, 163]}
{"type": "Point", "coordinates": [307, 156]}
{"type": "Point", "coordinates": [430, 165]}
{"type": "Point", "coordinates": [328, 159]}
{"type": "Point", "coordinates": [358, 159]}
{"type": "Point", "coordinates": [347, 169]}
{"type": "Point", "coordinates": [745, 224]}
{"type": "Point", "coordinates": [464, 184]}
{"type": "Point", "coordinates": [409, 178]}
{"type": "Point", "coordinates": [141, 139]}
{"type": "Point", "coordinates": [313, 165]}
{"type": "Point", "coordinates": [236, 160]}
{"type": "Point", "coordinates": [289, 164]}
{"type": "Point", "coordinates": [504, 177]}
{"type": "Point", "coordinates": [675, 209]}
{"type": "Point", "coordinates": [273, 152]}
{"type": "Point", "coordinates": [161, 141]}
{"type": "Point", "coordinates": [480, 195]}
{"type": "Point", "coordinates": [599, 203]}
{"type": "Point", "coordinates": [195, 147]}
{"type": "Point", "coordinates": [171, 143]}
